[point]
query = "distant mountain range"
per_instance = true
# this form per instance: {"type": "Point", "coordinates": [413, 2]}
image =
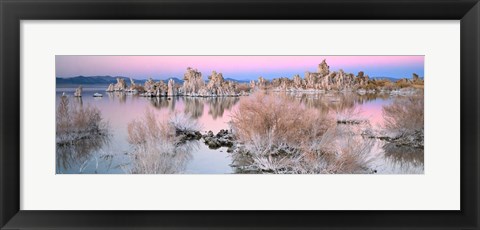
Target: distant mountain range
{"type": "Point", "coordinates": [106, 80]}
{"type": "Point", "coordinates": [235, 80]}
{"type": "Point", "coordinates": [386, 78]}
{"type": "Point", "coordinates": [101, 80]}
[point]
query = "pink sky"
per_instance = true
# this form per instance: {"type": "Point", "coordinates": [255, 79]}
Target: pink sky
{"type": "Point", "coordinates": [238, 67]}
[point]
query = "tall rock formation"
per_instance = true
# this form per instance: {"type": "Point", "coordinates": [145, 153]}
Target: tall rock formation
{"type": "Point", "coordinates": [215, 82]}
{"type": "Point", "coordinates": [343, 80]}
{"type": "Point", "coordinates": [262, 83]}
{"type": "Point", "coordinates": [78, 92]}
{"type": "Point", "coordinates": [252, 85]}
{"type": "Point", "coordinates": [161, 89]}
{"type": "Point", "coordinates": [171, 88]}
{"type": "Point", "coordinates": [416, 79]}
{"type": "Point", "coordinates": [155, 89]}
{"type": "Point", "coordinates": [149, 85]}
{"type": "Point", "coordinates": [317, 80]}
{"type": "Point", "coordinates": [323, 69]}
{"type": "Point", "coordinates": [217, 86]}
{"type": "Point", "coordinates": [111, 88]}
{"type": "Point", "coordinates": [192, 82]}
{"type": "Point", "coordinates": [121, 85]}
{"type": "Point", "coordinates": [297, 82]}
{"type": "Point", "coordinates": [282, 83]}
{"type": "Point", "coordinates": [323, 79]}
{"type": "Point", "coordinates": [133, 86]}
{"type": "Point", "coordinates": [362, 79]}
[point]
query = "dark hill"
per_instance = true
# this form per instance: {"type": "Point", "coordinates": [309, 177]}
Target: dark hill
{"type": "Point", "coordinates": [101, 80]}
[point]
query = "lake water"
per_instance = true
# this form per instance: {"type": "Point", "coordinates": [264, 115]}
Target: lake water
{"type": "Point", "coordinates": [110, 155]}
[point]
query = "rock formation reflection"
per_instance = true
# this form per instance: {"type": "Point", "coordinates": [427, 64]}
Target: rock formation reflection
{"type": "Point", "coordinates": [158, 102]}
{"type": "Point", "coordinates": [218, 105]}
{"type": "Point", "coordinates": [193, 106]}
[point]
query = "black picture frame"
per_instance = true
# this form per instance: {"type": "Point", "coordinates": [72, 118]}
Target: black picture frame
{"type": "Point", "coordinates": [13, 11]}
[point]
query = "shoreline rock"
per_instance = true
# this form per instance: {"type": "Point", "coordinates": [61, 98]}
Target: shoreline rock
{"type": "Point", "coordinates": [323, 80]}
{"type": "Point", "coordinates": [223, 138]}
{"type": "Point", "coordinates": [188, 135]}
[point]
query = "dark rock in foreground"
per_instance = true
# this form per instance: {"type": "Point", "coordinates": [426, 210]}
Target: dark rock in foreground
{"type": "Point", "coordinates": [223, 138]}
{"type": "Point", "coordinates": [188, 135]}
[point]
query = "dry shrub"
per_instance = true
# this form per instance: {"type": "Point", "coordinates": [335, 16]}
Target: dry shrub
{"type": "Point", "coordinates": [63, 116]}
{"type": "Point", "coordinates": [277, 121]}
{"type": "Point", "coordinates": [161, 157]}
{"type": "Point", "coordinates": [353, 156]}
{"type": "Point", "coordinates": [282, 136]}
{"type": "Point", "coordinates": [380, 82]}
{"type": "Point", "coordinates": [339, 151]}
{"type": "Point", "coordinates": [405, 115]}
{"type": "Point", "coordinates": [86, 119]}
{"type": "Point", "coordinates": [401, 84]}
{"type": "Point", "coordinates": [369, 86]}
{"type": "Point", "coordinates": [277, 165]}
{"type": "Point", "coordinates": [389, 86]}
{"type": "Point", "coordinates": [148, 130]}
{"type": "Point", "coordinates": [156, 145]}
{"type": "Point", "coordinates": [76, 121]}
{"type": "Point", "coordinates": [184, 123]}
{"type": "Point", "coordinates": [418, 86]}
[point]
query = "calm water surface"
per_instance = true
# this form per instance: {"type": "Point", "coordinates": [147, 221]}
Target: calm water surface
{"type": "Point", "coordinates": [110, 154]}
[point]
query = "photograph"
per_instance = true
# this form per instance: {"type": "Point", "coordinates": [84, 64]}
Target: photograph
{"type": "Point", "coordinates": [249, 114]}
{"type": "Point", "coordinates": [182, 114]}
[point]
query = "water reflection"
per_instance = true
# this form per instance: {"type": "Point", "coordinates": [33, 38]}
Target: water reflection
{"type": "Point", "coordinates": [404, 158]}
{"type": "Point", "coordinates": [79, 101]}
{"type": "Point", "coordinates": [325, 102]}
{"type": "Point", "coordinates": [218, 105]}
{"type": "Point", "coordinates": [193, 106]}
{"type": "Point", "coordinates": [120, 96]}
{"type": "Point", "coordinates": [76, 155]}
{"type": "Point", "coordinates": [213, 114]}
{"type": "Point", "coordinates": [158, 102]}
{"type": "Point", "coordinates": [161, 157]}
{"type": "Point", "coordinates": [336, 102]}
{"type": "Point", "coordinates": [171, 103]}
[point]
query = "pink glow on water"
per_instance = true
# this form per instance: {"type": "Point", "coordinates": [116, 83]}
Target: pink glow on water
{"type": "Point", "coordinates": [373, 112]}
{"type": "Point", "coordinates": [119, 110]}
